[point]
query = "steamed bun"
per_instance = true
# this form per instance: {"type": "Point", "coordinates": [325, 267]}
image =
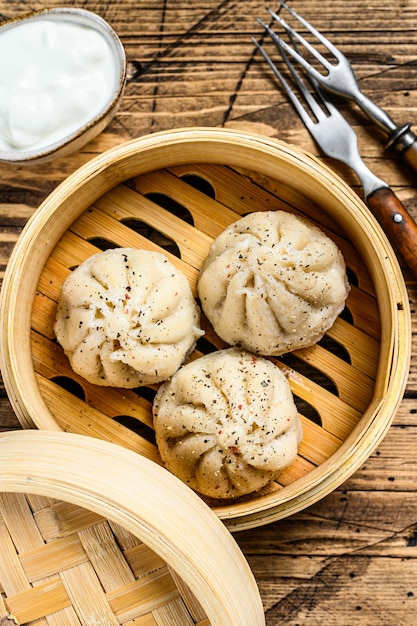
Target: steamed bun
{"type": "Point", "coordinates": [126, 318]}
{"type": "Point", "coordinates": [226, 423]}
{"type": "Point", "coordinates": [272, 283]}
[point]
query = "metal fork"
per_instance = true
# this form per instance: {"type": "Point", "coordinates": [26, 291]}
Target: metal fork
{"type": "Point", "coordinates": [337, 139]}
{"type": "Point", "coordinates": [340, 79]}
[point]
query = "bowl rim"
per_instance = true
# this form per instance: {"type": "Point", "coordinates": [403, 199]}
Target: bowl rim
{"type": "Point", "coordinates": [83, 17]}
{"type": "Point", "coordinates": [261, 154]}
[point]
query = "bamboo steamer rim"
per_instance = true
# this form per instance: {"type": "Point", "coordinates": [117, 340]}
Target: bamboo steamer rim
{"type": "Point", "coordinates": [146, 500]}
{"type": "Point", "coordinates": [271, 158]}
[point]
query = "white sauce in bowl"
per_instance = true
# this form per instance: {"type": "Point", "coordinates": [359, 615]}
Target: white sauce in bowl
{"type": "Point", "coordinates": [55, 77]}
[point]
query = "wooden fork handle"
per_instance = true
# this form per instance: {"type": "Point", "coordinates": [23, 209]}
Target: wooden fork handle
{"type": "Point", "coordinates": [404, 141]}
{"type": "Point", "coordinates": [409, 155]}
{"type": "Point", "coordinates": [397, 223]}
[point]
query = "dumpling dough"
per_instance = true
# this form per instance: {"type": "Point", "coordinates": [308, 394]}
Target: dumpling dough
{"type": "Point", "coordinates": [226, 424]}
{"type": "Point", "coordinates": [126, 318]}
{"type": "Point", "coordinates": [272, 283]}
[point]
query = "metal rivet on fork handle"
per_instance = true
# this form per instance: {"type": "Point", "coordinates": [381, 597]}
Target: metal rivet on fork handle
{"type": "Point", "coordinates": [337, 139]}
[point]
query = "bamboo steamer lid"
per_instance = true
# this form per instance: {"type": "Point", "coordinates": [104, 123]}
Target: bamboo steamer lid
{"type": "Point", "coordinates": [92, 533]}
{"type": "Point", "coordinates": [347, 388]}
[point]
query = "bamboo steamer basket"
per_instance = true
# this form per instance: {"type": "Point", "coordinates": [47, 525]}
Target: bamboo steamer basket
{"type": "Point", "coordinates": [347, 387]}
{"type": "Point", "coordinates": [81, 545]}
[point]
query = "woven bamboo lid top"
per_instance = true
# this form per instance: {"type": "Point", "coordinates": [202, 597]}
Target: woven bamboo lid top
{"type": "Point", "coordinates": [138, 496]}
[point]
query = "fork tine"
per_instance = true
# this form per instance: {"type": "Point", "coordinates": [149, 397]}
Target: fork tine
{"type": "Point", "coordinates": [314, 107]}
{"type": "Point", "coordinates": [301, 111]}
{"type": "Point", "coordinates": [282, 45]}
{"type": "Point", "coordinates": [298, 57]}
{"type": "Point", "coordinates": [340, 79]}
{"type": "Point", "coordinates": [328, 106]}
{"type": "Point", "coordinates": [293, 33]}
{"type": "Point", "coordinates": [328, 44]}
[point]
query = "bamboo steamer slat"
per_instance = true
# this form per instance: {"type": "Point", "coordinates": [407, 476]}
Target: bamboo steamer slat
{"type": "Point", "coordinates": [347, 388]}
{"type": "Point", "coordinates": [84, 545]}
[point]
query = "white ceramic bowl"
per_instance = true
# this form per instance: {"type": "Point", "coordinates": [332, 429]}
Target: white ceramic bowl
{"type": "Point", "coordinates": [88, 128]}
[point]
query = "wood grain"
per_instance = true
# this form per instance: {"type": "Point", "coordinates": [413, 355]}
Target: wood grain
{"type": "Point", "coordinates": [350, 559]}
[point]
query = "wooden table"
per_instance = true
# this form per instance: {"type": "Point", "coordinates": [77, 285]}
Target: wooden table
{"type": "Point", "coordinates": [351, 558]}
